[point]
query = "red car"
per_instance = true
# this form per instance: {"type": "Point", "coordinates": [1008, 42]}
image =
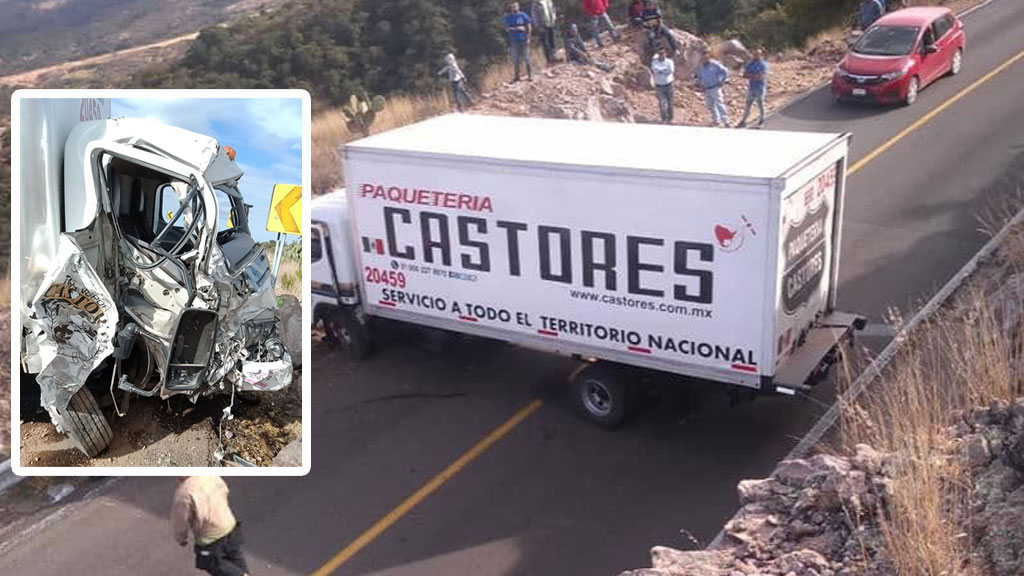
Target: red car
{"type": "Point", "coordinates": [898, 55]}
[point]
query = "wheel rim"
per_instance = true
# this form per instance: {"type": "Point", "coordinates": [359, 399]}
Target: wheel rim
{"type": "Point", "coordinates": [958, 60]}
{"type": "Point", "coordinates": [597, 398]}
{"type": "Point", "coordinates": [912, 91]}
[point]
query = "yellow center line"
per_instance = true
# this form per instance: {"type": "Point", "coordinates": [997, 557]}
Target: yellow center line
{"type": "Point", "coordinates": [427, 489]}
{"type": "Point", "coordinates": [932, 114]}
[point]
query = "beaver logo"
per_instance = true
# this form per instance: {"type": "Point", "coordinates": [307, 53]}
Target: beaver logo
{"type": "Point", "coordinates": [730, 237]}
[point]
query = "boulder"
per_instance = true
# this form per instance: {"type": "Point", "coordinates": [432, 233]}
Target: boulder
{"type": "Point", "coordinates": [704, 562]}
{"type": "Point", "coordinates": [290, 455]}
{"type": "Point", "coordinates": [795, 473]}
{"type": "Point", "coordinates": [289, 319]}
{"type": "Point", "coordinates": [976, 450]}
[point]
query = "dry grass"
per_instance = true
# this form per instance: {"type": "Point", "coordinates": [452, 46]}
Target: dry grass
{"type": "Point", "coordinates": [502, 73]}
{"type": "Point", "coordinates": [968, 356]}
{"type": "Point", "coordinates": [5, 416]}
{"type": "Point", "coordinates": [289, 279]}
{"type": "Point", "coordinates": [329, 132]}
{"type": "Point", "coordinates": [5, 290]}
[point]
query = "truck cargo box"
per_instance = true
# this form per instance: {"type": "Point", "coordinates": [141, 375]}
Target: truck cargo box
{"type": "Point", "coordinates": [704, 252]}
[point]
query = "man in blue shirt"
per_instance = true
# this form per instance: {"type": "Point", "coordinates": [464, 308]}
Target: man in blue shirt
{"type": "Point", "coordinates": [711, 76]}
{"type": "Point", "coordinates": [868, 11]}
{"type": "Point", "coordinates": [519, 28]}
{"type": "Point", "coordinates": [756, 73]}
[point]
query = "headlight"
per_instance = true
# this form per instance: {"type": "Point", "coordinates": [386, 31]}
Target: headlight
{"type": "Point", "coordinates": [893, 75]}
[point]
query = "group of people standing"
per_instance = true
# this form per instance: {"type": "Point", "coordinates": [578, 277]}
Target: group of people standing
{"type": "Point", "coordinates": [660, 50]}
{"type": "Point", "coordinates": [519, 27]}
{"type": "Point", "coordinates": [710, 78]}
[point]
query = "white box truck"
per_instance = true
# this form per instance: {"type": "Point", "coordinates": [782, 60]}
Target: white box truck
{"type": "Point", "coordinates": [702, 252]}
{"type": "Point", "coordinates": [137, 271]}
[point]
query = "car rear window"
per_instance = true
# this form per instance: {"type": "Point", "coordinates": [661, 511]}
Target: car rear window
{"type": "Point", "coordinates": [887, 41]}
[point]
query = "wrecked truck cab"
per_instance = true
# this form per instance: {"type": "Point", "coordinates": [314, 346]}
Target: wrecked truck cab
{"type": "Point", "coordinates": [156, 285]}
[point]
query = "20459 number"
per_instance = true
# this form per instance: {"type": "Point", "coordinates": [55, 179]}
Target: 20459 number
{"type": "Point", "coordinates": [392, 278]}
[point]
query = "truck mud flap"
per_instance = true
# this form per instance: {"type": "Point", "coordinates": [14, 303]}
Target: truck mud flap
{"type": "Point", "coordinates": [191, 348]}
{"type": "Point", "coordinates": [803, 369]}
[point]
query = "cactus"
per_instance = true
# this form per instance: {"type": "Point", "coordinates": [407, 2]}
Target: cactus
{"type": "Point", "coordinates": [361, 112]}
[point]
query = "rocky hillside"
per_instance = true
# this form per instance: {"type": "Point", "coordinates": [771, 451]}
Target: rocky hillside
{"type": "Point", "coordinates": [624, 94]}
{"type": "Point", "coordinates": [823, 516]}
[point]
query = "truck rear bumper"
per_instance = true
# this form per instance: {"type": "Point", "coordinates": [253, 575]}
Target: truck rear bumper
{"type": "Point", "coordinates": [808, 364]}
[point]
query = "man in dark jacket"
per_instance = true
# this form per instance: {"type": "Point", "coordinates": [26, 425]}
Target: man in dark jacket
{"type": "Point", "coordinates": [658, 35]}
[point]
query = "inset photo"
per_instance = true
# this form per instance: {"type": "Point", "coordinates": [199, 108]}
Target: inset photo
{"type": "Point", "coordinates": [157, 318]}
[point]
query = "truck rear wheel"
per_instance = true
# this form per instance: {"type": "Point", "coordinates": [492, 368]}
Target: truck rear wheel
{"type": "Point", "coordinates": [600, 395]}
{"type": "Point", "coordinates": [85, 424]}
{"type": "Point", "coordinates": [352, 334]}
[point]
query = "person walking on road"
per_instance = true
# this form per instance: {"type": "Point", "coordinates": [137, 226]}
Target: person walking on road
{"type": "Point", "coordinates": [597, 11]}
{"type": "Point", "coordinates": [460, 95]}
{"type": "Point", "coordinates": [868, 11]}
{"type": "Point", "coordinates": [756, 73]}
{"type": "Point", "coordinates": [201, 507]}
{"type": "Point", "coordinates": [662, 73]}
{"type": "Point", "coordinates": [711, 76]}
{"type": "Point", "coordinates": [545, 18]}
{"type": "Point", "coordinates": [519, 28]}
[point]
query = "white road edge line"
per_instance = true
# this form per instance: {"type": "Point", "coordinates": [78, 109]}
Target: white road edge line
{"type": "Point", "coordinates": [58, 513]}
{"type": "Point", "coordinates": [874, 370]}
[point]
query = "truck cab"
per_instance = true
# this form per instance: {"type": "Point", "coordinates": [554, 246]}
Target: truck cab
{"type": "Point", "coordinates": [139, 271]}
{"type": "Point", "coordinates": [334, 278]}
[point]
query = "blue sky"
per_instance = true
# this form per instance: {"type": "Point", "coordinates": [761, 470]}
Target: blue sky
{"type": "Point", "coordinates": [266, 134]}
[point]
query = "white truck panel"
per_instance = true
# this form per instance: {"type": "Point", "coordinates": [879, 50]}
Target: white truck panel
{"type": "Point", "coordinates": [43, 128]}
{"type": "Point", "coordinates": [709, 313]}
{"type": "Point", "coordinates": [807, 251]}
{"type": "Point", "coordinates": [589, 238]}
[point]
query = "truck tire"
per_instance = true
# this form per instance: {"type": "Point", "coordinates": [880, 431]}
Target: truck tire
{"type": "Point", "coordinates": [600, 395]}
{"type": "Point", "coordinates": [350, 333]}
{"type": "Point", "coordinates": [85, 424]}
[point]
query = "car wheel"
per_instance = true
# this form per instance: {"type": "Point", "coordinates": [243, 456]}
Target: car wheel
{"type": "Point", "coordinates": [912, 89]}
{"type": "Point", "coordinates": [958, 62]}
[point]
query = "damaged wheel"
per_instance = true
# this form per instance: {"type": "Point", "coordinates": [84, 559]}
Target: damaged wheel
{"type": "Point", "coordinates": [85, 424]}
{"type": "Point", "coordinates": [350, 333]}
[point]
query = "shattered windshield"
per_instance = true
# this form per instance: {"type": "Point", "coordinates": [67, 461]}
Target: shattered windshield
{"type": "Point", "coordinates": [231, 210]}
{"type": "Point", "coordinates": [887, 41]}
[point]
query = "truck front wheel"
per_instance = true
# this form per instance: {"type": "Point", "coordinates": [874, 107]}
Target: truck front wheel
{"type": "Point", "coordinates": [85, 424]}
{"type": "Point", "coordinates": [600, 395]}
{"type": "Point", "coordinates": [352, 334]}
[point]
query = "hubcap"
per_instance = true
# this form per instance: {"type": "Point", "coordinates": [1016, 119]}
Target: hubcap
{"type": "Point", "coordinates": [912, 91]}
{"type": "Point", "coordinates": [957, 61]}
{"type": "Point", "coordinates": [596, 398]}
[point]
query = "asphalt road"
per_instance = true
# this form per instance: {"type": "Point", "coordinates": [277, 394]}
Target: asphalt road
{"type": "Point", "coordinates": [556, 495]}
